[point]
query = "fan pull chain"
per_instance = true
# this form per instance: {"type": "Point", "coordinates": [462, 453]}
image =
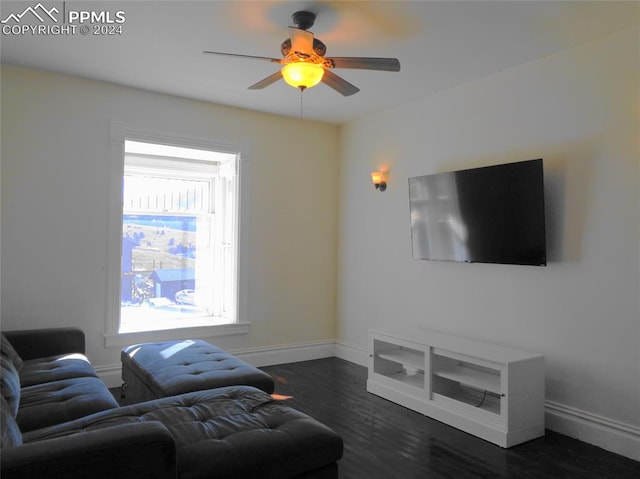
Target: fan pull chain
{"type": "Point", "coordinates": [301, 91]}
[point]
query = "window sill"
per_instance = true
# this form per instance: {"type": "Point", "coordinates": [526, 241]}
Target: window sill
{"type": "Point", "coordinates": [127, 339]}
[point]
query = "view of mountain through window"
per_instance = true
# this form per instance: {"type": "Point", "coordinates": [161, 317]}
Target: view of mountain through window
{"type": "Point", "coordinates": [178, 238]}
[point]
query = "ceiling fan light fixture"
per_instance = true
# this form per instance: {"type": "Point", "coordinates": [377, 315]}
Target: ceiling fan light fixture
{"type": "Point", "coordinates": [302, 74]}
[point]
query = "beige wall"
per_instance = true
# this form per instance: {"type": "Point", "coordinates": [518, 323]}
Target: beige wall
{"type": "Point", "coordinates": [579, 111]}
{"type": "Point", "coordinates": [55, 170]}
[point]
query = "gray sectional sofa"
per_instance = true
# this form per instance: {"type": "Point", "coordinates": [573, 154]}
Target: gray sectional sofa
{"type": "Point", "coordinates": [60, 420]}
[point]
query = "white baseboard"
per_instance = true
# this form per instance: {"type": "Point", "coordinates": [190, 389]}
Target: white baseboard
{"type": "Point", "coordinates": [110, 374]}
{"type": "Point", "coordinates": [352, 353]}
{"type": "Point", "coordinates": [606, 433]}
{"type": "Point", "coordinates": [603, 432]}
{"type": "Point", "coordinates": [290, 353]}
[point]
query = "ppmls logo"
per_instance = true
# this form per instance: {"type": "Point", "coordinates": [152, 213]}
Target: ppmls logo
{"type": "Point", "coordinates": [36, 20]}
{"type": "Point", "coordinates": [39, 11]}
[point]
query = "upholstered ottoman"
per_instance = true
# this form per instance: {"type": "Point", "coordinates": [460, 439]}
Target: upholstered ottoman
{"type": "Point", "coordinates": [156, 370]}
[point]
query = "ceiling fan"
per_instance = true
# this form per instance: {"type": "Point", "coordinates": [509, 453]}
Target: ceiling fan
{"type": "Point", "coordinates": [304, 63]}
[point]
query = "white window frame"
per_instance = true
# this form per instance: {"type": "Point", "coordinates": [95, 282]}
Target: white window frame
{"type": "Point", "coordinates": [118, 133]}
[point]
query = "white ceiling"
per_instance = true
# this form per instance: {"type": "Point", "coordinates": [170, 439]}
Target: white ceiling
{"type": "Point", "coordinates": [439, 45]}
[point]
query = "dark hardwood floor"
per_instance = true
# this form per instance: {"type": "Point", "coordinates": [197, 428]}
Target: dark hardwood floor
{"type": "Point", "coordinates": [384, 440]}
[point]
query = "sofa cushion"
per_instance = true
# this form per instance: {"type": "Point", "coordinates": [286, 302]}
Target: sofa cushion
{"type": "Point", "coordinates": [232, 432]}
{"type": "Point", "coordinates": [56, 402]}
{"type": "Point", "coordinates": [10, 435]}
{"type": "Point", "coordinates": [7, 350]}
{"type": "Point", "coordinates": [10, 385]}
{"type": "Point", "coordinates": [43, 342]}
{"type": "Point", "coordinates": [130, 451]}
{"type": "Point", "coordinates": [55, 368]}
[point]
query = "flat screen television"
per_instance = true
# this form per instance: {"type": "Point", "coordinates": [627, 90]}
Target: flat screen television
{"type": "Point", "coordinates": [493, 214]}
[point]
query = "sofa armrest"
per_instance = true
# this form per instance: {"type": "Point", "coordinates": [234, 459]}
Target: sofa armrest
{"type": "Point", "coordinates": [139, 450]}
{"type": "Point", "coordinates": [40, 343]}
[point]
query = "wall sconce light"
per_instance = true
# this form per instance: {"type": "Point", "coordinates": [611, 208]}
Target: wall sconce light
{"type": "Point", "coordinates": [379, 179]}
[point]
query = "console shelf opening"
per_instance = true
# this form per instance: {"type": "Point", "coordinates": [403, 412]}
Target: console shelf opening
{"type": "Point", "coordinates": [401, 361]}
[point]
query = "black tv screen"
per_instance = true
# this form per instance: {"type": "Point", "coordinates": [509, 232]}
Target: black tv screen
{"type": "Point", "coordinates": [493, 214]}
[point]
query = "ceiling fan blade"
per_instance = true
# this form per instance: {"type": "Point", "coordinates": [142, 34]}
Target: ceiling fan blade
{"type": "Point", "coordinates": [301, 41]}
{"type": "Point", "coordinates": [340, 85]}
{"type": "Point", "coordinates": [366, 63]}
{"type": "Point", "coordinates": [265, 82]}
{"type": "Point", "coordinates": [269, 59]}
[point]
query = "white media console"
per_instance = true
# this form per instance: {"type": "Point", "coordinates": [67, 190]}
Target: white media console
{"type": "Point", "coordinates": [490, 391]}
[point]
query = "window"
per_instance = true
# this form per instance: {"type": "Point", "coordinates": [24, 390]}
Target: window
{"type": "Point", "coordinates": [178, 215]}
{"type": "Point", "coordinates": [178, 237]}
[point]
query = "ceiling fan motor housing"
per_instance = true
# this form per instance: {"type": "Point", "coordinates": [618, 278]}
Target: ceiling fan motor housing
{"type": "Point", "coordinates": [319, 48]}
{"type": "Point", "coordinates": [304, 20]}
